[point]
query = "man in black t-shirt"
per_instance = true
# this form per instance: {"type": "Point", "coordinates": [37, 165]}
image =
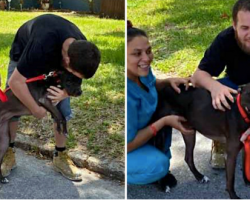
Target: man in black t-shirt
{"type": "Point", "coordinates": [231, 51]}
{"type": "Point", "coordinates": [43, 44]}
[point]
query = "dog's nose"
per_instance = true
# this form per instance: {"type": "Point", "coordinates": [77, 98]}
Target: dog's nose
{"type": "Point", "coordinates": [78, 93]}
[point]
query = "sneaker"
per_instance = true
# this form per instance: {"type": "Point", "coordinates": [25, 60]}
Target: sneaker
{"type": "Point", "coordinates": [9, 162]}
{"type": "Point", "coordinates": [63, 164]}
{"type": "Point", "coordinates": [167, 182]}
{"type": "Point", "coordinates": [218, 155]}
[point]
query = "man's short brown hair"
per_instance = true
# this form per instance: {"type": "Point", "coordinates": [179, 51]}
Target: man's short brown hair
{"type": "Point", "coordinates": [243, 5]}
{"type": "Point", "coordinates": [84, 57]}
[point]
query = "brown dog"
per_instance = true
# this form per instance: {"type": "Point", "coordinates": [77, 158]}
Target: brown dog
{"type": "Point", "coordinates": [38, 89]}
{"type": "Point", "coordinates": [196, 106]}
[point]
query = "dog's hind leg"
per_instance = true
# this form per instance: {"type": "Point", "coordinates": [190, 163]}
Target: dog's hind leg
{"type": "Point", "coordinates": [233, 148]}
{"type": "Point", "coordinates": [189, 157]}
{"type": "Point", "coordinates": [4, 144]}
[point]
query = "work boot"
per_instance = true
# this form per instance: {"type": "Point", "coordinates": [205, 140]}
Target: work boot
{"type": "Point", "coordinates": [9, 162]}
{"type": "Point", "coordinates": [64, 165]}
{"type": "Point", "coordinates": [218, 155]}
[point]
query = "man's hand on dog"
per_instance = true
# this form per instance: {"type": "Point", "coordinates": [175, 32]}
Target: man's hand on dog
{"type": "Point", "coordinates": [56, 94]}
{"type": "Point", "coordinates": [175, 82]}
{"type": "Point", "coordinates": [220, 94]}
{"type": "Point", "coordinates": [179, 123]}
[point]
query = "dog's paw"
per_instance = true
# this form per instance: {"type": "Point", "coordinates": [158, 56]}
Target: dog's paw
{"type": "Point", "coordinates": [167, 182]}
{"type": "Point", "coordinates": [205, 179]}
{"type": "Point", "coordinates": [4, 180]}
{"type": "Point", "coordinates": [167, 189]}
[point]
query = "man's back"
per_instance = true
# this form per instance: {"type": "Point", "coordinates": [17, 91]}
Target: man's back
{"type": "Point", "coordinates": [41, 29]}
{"type": "Point", "coordinates": [38, 43]}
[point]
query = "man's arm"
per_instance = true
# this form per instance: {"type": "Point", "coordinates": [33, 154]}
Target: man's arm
{"type": "Point", "coordinates": [17, 83]}
{"type": "Point", "coordinates": [218, 91]}
{"type": "Point", "coordinates": [203, 79]}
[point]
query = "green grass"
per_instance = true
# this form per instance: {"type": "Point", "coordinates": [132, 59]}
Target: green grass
{"type": "Point", "coordinates": [180, 30]}
{"type": "Point", "coordinates": [98, 125]}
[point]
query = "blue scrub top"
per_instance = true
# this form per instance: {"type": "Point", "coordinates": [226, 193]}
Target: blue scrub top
{"type": "Point", "coordinates": [140, 104]}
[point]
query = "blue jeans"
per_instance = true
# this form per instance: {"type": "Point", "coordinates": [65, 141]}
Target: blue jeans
{"type": "Point", "coordinates": [63, 106]}
{"type": "Point", "coordinates": [147, 164]}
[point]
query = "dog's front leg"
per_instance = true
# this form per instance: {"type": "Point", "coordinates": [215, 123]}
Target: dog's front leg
{"type": "Point", "coordinates": [59, 118]}
{"type": "Point", "coordinates": [189, 157]}
{"type": "Point", "coordinates": [4, 144]}
{"type": "Point", "coordinates": [233, 148]}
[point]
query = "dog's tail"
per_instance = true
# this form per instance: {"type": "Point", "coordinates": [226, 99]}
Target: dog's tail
{"type": "Point", "coordinates": [246, 161]}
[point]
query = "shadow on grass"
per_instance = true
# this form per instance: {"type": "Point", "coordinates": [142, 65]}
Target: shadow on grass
{"type": "Point", "coordinates": [189, 24]}
{"type": "Point", "coordinates": [107, 84]}
{"type": "Point", "coordinates": [100, 111]}
{"type": "Point", "coordinates": [110, 53]}
{"type": "Point", "coordinates": [119, 34]}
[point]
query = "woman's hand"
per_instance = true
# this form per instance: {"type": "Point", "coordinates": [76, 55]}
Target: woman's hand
{"type": "Point", "coordinates": [179, 123]}
{"type": "Point", "coordinates": [175, 82]}
{"type": "Point", "coordinates": [56, 94]}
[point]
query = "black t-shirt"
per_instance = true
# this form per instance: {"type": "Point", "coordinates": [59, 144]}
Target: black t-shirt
{"type": "Point", "coordinates": [38, 44]}
{"type": "Point", "coordinates": [225, 52]}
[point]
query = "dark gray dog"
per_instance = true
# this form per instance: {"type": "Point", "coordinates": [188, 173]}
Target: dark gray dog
{"type": "Point", "coordinates": [196, 106]}
{"type": "Point", "coordinates": [38, 89]}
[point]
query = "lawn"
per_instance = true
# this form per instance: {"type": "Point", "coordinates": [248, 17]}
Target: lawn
{"type": "Point", "coordinates": [180, 30]}
{"type": "Point", "coordinates": [98, 126]}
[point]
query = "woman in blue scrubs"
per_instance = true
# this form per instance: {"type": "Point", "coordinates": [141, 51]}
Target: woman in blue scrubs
{"type": "Point", "coordinates": [145, 163]}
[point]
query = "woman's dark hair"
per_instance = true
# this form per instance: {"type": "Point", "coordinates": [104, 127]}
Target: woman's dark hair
{"type": "Point", "coordinates": [84, 57]}
{"type": "Point", "coordinates": [243, 5]}
{"type": "Point", "coordinates": [133, 32]}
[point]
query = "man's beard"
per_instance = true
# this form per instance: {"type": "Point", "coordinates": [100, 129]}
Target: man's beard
{"type": "Point", "coordinates": [241, 44]}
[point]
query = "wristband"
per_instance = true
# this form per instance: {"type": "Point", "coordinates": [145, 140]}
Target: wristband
{"type": "Point", "coordinates": [152, 127]}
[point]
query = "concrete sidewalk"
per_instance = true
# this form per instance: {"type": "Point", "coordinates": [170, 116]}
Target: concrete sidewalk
{"type": "Point", "coordinates": [110, 168]}
{"type": "Point", "coordinates": [188, 187]}
{"type": "Point", "coordinates": [36, 179]}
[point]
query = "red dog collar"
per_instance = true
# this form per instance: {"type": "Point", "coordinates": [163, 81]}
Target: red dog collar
{"type": "Point", "coordinates": [246, 142]}
{"type": "Point", "coordinates": [3, 96]}
{"type": "Point", "coordinates": [242, 111]}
